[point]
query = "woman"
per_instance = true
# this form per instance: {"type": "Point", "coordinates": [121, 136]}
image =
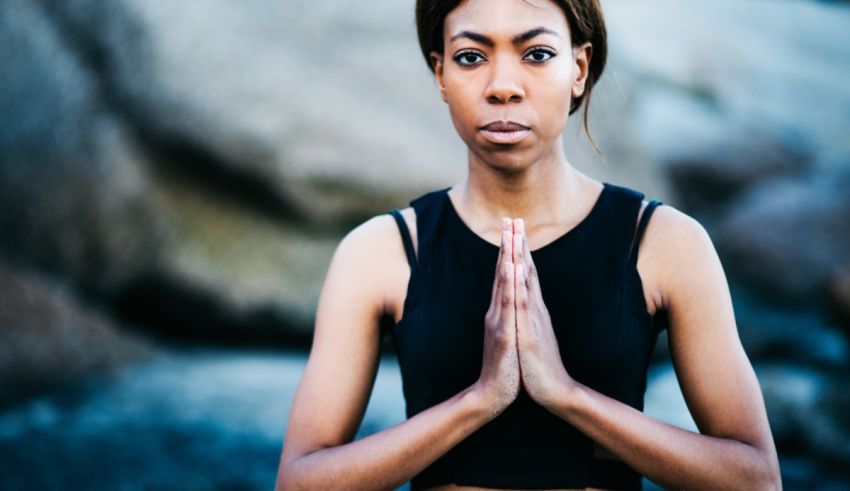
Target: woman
{"type": "Point", "coordinates": [523, 342]}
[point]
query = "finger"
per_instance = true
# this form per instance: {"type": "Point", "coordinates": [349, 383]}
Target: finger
{"type": "Point", "coordinates": [523, 252]}
{"type": "Point", "coordinates": [508, 307]}
{"type": "Point", "coordinates": [507, 232]}
{"type": "Point", "coordinates": [521, 298]}
{"type": "Point", "coordinates": [517, 242]}
{"type": "Point", "coordinates": [506, 229]}
{"type": "Point", "coordinates": [531, 277]}
{"type": "Point", "coordinates": [499, 264]}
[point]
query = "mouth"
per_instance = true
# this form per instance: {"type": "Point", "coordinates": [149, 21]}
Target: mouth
{"type": "Point", "coordinates": [504, 132]}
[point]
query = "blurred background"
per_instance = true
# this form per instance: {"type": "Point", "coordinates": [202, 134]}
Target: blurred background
{"type": "Point", "coordinates": [175, 176]}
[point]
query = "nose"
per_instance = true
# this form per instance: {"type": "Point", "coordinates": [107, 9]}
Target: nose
{"type": "Point", "coordinates": [505, 84]}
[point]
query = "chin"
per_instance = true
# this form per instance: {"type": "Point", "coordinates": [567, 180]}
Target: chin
{"type": "Point", "coordinates": [507, 160]}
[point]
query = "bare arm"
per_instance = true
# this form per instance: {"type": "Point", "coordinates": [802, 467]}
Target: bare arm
{"type": "Point", "coordinates": [332, 396]}
{"type": "Point", "coordinates": [734, 449]}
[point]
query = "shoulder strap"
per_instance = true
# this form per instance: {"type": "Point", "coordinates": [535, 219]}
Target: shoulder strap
{"type": "Point", "coordinates": [405, 236]}
{"type": "Point", "coordinates": [644, 219]}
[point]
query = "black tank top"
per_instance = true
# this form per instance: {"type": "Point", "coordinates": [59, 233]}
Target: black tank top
{"type": "Point", "coordinates": [595, 299]}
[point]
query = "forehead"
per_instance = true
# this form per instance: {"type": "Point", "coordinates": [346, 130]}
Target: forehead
{"type": "Point", "coordinates": [506, 17]}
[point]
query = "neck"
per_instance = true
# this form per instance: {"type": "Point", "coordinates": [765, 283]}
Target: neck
{"type": "Point", "coordinates": [545, 192]}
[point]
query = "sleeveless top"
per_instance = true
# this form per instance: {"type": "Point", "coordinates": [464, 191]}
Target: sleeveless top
{"type": "Point", "coordinates": [593, 292]}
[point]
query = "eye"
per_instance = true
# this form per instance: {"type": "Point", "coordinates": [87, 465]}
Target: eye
{"type": "Point", "coordinates": [467, 58]}
{"type": "Point", "coordinates": [539, 55]}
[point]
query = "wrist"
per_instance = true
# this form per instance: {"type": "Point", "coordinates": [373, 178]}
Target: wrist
{"type": "Point", "coordinates": [569, 398]}
{"type": "Point", "coordinates": [482, 402]}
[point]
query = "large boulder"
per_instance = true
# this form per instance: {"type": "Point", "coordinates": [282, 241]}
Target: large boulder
{"type": "Point", "coordinates": [103, 181]}
{"type": "Point", "coordinates": [710, 173]}
{"type": "Point", "coordinates": [194, 164]}
{"type": "Point", "coordinates": [808, 409]}
{"type": "Point", "coordinates": [840, 297]}
{"type": "Point", "coordinates": [789, 236]}
{"type": "Point", "coordinates": [73, 198]}
{"type": "Point", "coordinates": [49, 338]}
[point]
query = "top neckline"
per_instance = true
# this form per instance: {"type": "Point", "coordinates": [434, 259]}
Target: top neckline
{"type": "Point", "coordinates": [552, 243]}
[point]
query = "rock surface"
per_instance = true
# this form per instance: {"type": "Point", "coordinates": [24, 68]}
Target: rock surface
{"type": "Point", "coordinates": [49, 339]}
{"type": "Point", "coordinates": [216, 153]}
{"type": "Point", "coordinates": [789, 236]}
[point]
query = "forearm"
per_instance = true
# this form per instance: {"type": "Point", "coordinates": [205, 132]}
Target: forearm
{"type": "Point", "coordinates": [387, 459]}
{"type": "Point", "coordinates": [669, 455]}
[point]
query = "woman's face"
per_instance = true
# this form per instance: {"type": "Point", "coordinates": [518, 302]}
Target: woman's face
{"type": "Point", "coordinates": [509, 61]}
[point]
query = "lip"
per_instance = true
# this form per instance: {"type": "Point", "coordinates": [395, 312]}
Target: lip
{"type": "Point", "coordinates": [504, 132]}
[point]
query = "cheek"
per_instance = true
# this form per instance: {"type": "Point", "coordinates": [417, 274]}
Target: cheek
{"type": "Point", "coordinates": [462, 119]}
{"type": "Point", "coordinates": [553, 104]}
{"type": "Point", "coordinates": [461, 98]}
{"type": "Point", "coordinates": [556, 91]}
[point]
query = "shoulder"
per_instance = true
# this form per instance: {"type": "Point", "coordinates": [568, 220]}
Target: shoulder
{"type": "Point", "coordinates": [379, 233]}
{"type": "Point", "coordinates": [376, 237]}
{"type": "Point", "coordinates": [677, 249]}
{"type": "Point", "coordinates": [372, 255]}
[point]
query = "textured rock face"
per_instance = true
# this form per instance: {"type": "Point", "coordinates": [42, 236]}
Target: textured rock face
{"type": "Point", "coordinates": [72, 195]}
{"type": "Point", "coordinates": [195, 164]}
{"type": "Point", "coordinates": [47, 337]}
{"type": "Point", "coordinates": [215, 153]}
{"type": "Point", "coordinates": [134, 184]}
{"type": "Point", "coordinates": [790, 235]}
{"type": "Point", "coordinates": [808, 410]}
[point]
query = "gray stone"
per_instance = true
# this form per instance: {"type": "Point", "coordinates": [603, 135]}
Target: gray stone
{"type": "Point", "coordinates": [808, 409]}
{"type": "Point", "coordinates": [789, 236]}
{"type": "Point", "coordinates": [48, 338]}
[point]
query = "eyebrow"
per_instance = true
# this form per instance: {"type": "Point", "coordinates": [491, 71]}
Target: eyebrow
{"type": "Point", "coordinates": [517, 40]}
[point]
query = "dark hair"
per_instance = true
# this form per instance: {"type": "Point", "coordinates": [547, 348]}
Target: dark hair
{"type": "Point", "coordinates": [586, 24]}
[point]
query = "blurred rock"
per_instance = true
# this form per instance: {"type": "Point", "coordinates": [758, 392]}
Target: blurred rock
{"type": "Point", "coordinates": [250, 96]}
{"type": "Point", "coordinates": [802, 336]}
{"type": "Point", "coordinates": [195, 164]}
{"type": "Point", "coordinates": [801, 224]}
{"type": "Point", "coordinates": [687, 81]}
{"type": "Point", "coordinates": [89, 191]}
{"type": "Point", "coordinates": [840, 297]}
{"type": "Point", "coordinates": [188, 419]}
{"type": "Point", "coordinates": [808, 409]}
{"type": "Point", "coordinates": [708, 174]}
{"type": "Point", "coordinates": [47, 338]}
{"type": "Point", "coordinates": [73, 198]}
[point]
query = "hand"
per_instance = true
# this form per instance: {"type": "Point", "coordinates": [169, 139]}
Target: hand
{"type": "Point", "coordinates": [500, 377]}
{"type": "Point", "coordinates": [541, 368]}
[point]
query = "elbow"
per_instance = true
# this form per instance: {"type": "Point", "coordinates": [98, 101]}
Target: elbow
{"type": "Point", "coordinates": [770, 483]}
{"type": "Point", "coordinates": [287, 477]}
{"type": "Point", "coordinates": [773, 482]}
{"type": "Point", "coordinates": [287, 483]}
{"type": "Point", "coordinates": [282, 483]}
{"type": "Point", "coordinates": [769, 478]}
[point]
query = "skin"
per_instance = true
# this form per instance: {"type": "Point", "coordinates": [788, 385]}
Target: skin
{"type": "Point", "coordinates": [533, 182]}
